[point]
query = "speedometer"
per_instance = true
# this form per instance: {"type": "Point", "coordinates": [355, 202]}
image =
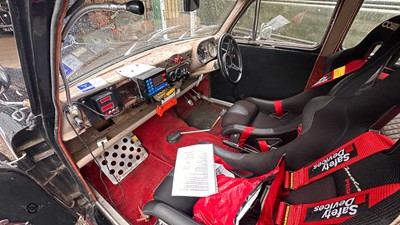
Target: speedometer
{"type": "Point", "coordinates": [212, 49]}
{"type": "Point", "coordinates": [202, 53]}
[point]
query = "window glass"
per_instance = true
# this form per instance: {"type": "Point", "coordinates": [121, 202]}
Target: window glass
{"type": "Point", "coordinates": [371, 14]}
{"type": "Point", "coordinates": [244, 26]}
{"type": "Point", "coordinates": [14, 103]}
{"type": "Point", "coordinates": [294, 21]}
{"type": "Point", "coordinates": [101, 36]}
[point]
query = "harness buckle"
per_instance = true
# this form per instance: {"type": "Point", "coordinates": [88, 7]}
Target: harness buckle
{"type": "Point", "coordinates": [282, 214]}
{"type": "Point", "coordinates": [288, 181]}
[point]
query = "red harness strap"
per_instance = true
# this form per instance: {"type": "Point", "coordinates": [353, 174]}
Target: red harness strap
{"type": "Point", "coordinates": [263, 144]}
{"type": "Point", "coordinates": [353, 151]}
{"type": "Point", "coordinates": [385, 73]}
{"type": "Point", "coordinates": [335, 210]}
{"type": "Point", "coordinates": [299, 129]}
{"type": "Point", "coordinates": [271, 199]}
{"type": "Point", "coordinates": [278, 108]}
{"type": "Point", "coordinates": [341, 71]}
{"type": "Point", "coordinates": [327, 211]}
{"type": "Point", "coordinates": [244, 135]}
{"type": "Point", "coordinates": [383, 76]}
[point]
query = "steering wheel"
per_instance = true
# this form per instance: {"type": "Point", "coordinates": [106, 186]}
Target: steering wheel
{"type": "Point", "coordinates": [230, 59]}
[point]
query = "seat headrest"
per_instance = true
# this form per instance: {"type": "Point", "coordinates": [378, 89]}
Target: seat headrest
{"type": "Point", "coordinates": [380, 33]}
{"type": "Point", "coordinates": [352, 83]}
{"type": "Point", "coordinates": [378, 36]}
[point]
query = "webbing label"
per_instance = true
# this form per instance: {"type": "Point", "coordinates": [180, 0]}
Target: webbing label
{"type": "Point", "coordinates": [332, 161]}
{"type": "Point", "coordinates": [338, 209]}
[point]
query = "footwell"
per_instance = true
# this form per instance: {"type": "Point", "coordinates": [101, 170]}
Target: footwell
{"type": "Point", "coordinates": [139, 185]}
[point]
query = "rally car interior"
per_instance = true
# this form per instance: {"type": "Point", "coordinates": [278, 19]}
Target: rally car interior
{"type": "Point", "coordinates": [361, 110]}
{"type": "Point", "coordinates": [124, 121]}
{"type": "Point", "coordinates": [277, 121]}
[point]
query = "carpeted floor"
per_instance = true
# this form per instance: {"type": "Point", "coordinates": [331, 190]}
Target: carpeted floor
{"type": "Point", "coordinates": [154, 132]}
{"type": "Point", "coordinates": [140, 183]}
{"type": "Point", "coordinates": [202, 117]}
{"type": "Point", "coordinates": [138, 186]}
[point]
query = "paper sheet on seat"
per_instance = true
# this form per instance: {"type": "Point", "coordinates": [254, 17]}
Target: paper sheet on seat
{"type": "Point", "coordinates": [194, 172]}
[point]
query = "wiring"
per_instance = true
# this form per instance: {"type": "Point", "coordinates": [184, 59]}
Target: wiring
{"type": "Point", "coordinates": [97, 162]}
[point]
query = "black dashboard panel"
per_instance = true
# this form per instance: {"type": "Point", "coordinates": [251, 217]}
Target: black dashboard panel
{"type": "Point", "coordinates": [101, 106]}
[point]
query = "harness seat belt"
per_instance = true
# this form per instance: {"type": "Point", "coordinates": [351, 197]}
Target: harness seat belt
{"type": "Point", "coordinates": [244, 135]}
{"type": "Point", "coordinates": [335, 210]}
{"type": "Point", "coordinates": [278, 108]}
{"type": "Point", "coordinates": [263, 144]}
{"type": "Point", "coordinates": [385, 73]}
{"type": "Point", "coordinates": [353, 151]}
{"type": "Point", "coordinates": [339, 72]}
{"type": "Point", "coordinates": [328, 211]}
{"type": "Point", "coordinates": [273, 210]}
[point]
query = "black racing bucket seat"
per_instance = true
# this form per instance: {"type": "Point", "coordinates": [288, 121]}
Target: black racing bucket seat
{"type": "Point", "coordinates": [261, 114]}
{"type": "Point", "coordinates": [328, 122]}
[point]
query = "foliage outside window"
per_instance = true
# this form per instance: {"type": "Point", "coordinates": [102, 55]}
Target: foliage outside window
{"type": "Point", "coordinates": [370, 15]}
{"type": "Point", "coordinates": [290, 21]}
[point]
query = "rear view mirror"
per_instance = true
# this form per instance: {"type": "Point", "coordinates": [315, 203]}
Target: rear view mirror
{"type": "Point", "coordinates": [135, 7]}
{"type": "Point", "coordinates": [190, 5]}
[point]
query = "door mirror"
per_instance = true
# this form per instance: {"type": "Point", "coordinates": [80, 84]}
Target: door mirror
{"type": "Point", "coordinates": [275, 24]}
{"type": "Point", "coordinates": [265, 31]}
{"type": "Point", "coordinates": [190, 5]}
{"type": "Point", "coordinates": [4, 80]}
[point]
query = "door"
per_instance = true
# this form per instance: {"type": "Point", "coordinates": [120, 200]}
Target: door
{"type": "Point", "coordinates": [279, 55]}
{"type": "Point", "coordinates": [24, 200]}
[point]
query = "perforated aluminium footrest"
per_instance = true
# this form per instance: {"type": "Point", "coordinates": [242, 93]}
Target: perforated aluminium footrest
{"type": "Point", "coordinates": [121, 158]}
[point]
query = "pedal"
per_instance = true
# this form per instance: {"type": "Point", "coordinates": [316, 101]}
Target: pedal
{"type": "Point", "coordinates": [193, 97]}
{"type": "Point", "coordinates": [198, 94]}
{"type": "Point", "coordinates": [188, 101]}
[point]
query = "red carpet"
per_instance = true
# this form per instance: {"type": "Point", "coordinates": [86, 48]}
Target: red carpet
{"type": "Point", "coordinates": [154, 132]}
{"type": "Point", "coordinates": [142, 181]}
{"type": "Point", "coordinates": [138, 186]}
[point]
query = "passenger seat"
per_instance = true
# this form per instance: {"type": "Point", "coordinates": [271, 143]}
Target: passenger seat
{"type": "Point", "coordinates": [261, 115]}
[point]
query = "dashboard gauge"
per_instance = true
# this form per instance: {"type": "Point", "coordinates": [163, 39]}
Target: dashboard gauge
{"type": "Point", "coordinates": [202, 53]}
{"type": "Point", "coordinates": [212, 49]}
{"type": "Point", "coordinates": [178, 73]}
{"type": "Point", "coordinates": [172, 76]}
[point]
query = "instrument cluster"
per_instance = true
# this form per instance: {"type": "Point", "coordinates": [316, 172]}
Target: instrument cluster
{"type": "Point", "coordinates": [207, 50]}
{"type": "Point", "coordinates": [178, 67]}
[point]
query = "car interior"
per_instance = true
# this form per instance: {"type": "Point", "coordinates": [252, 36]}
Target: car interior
{"type": "Point", "coordinates": [141, 79]}
{"type": "Point", "coordinates": [345, 113]}
{"type": "Point", "coordinates": [282, 123]}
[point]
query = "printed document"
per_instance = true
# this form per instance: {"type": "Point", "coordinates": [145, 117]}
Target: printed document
{"type": "Point", "coordinates": [194, 172]}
